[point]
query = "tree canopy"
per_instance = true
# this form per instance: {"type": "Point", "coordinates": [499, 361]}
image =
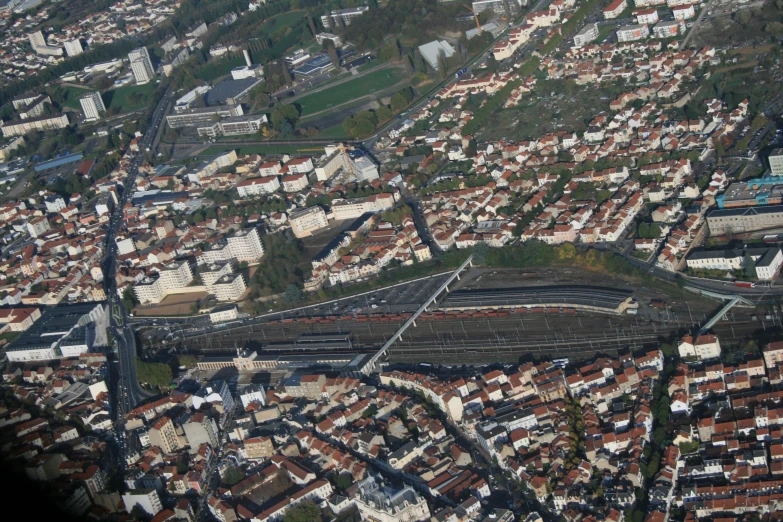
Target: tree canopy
{"type": "Point", "coordinates": [303, 512]}
{"type": "Point", "coordinates": [155, 374]}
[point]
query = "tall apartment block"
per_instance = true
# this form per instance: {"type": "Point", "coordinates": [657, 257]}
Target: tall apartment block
{"type": "Point", "coordinates": [73, 47]}
{"type": "Point", "coordinates": [92, 106]}
{"type": "Point", "coordinates": [141, 65]}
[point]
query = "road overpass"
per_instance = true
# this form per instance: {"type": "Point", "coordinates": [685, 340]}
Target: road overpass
{"type": "Point", "coordinates": [412, 320]}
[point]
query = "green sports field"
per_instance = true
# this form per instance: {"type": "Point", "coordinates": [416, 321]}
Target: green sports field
{"type": "Point", "coordinates": [345, 92]}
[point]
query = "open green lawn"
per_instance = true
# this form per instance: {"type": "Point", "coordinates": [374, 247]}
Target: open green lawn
{"type": "Point", "coordinates": [345, 92]}
{"type": "Point", "coordinates": [282, 20]}
{"type": "Point", "coordinates": [124, 99]}
{"type": "Point", "coordinates": [72, 95]}
{"type": "Point", "coordinates": [370, 65]}
{"type": "Point", "coordinates": [129, 98]}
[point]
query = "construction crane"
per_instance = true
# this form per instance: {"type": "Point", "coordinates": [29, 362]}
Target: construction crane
{"type": "Point", "coordinates": [475, 16]}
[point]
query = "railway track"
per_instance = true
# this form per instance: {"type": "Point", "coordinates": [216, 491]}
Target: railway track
{"type": "Point", "coordinates": [607, 299]}
{"type": "Point", "coordinates": [456, 347]}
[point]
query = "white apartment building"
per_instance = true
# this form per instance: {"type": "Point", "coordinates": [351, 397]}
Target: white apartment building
{"type": "Point", "coordinates": [253, 393]}
{"type": "Point", "coordinates": [767, 261]}
{"type": "Point", "coordinates": [702, 348]}
{"type": "Point", "coordinates": [92, 106]}
{"type": "Point", "coordinates": [215, 271]}
{"type": "Point", "coordinates": [222, 314]}
{"type": "Point", "coordinates": [646, 16]}
{"type": "Point", "coordinates": [154, 289]}
{"type": "Point", "coordinates": [300, 165]}
{"type": "Point", "coordinates": [776, 162]}
{"type": "Point", "coordinates": [37, 39]}
{"type": "Point", "coordinates": [307, 220]}
{"type": "Point", "coordinates": [230, 287]}
{"type": "Point", "coordinates": [615, 8]}
{"type": "Point", "coordinates": [669, 28]}
{"type": "Point", "coordinates": [41, 123]}
{"type": "Point", "coordinates": [176, 275]}
{"type": "Point", "coordinates": [586, 35]}
{"type": "Point", "coordinates": [332, 20]}
{"type": "Point", "coordinates": [24, 101]}
{"type": "Point", "coordinates": [683, 12]}
{"type": "Point", "coordinates": [235, 126]}
{"type": "Point", "coordinates": [246, 245]}
{"type": "Point", "coordinates": [270, 168]}
{"type": "Point", "coordinates": [258, 186]}
{"type": "Point", "coordinates": [353, 208]}
{"type": "Point", "coordinates": [630, 33]}
{"type": "Point", "coordinates": [322, 37]}
{"type": "Point", "coordinates": [37, 226]}
{"type": "Point", "coordinates": [141, 65]}
{"type": "Point", "coordinates": [54, 203]}
{"type": "Point", "coordinates": [73, 47]}
{"type": "Point", "coordinates": [39, 45]}
{"type": "Point", "coordinates": [146, 499]}
{"type": "Point", "coordinates": [294, 182]}
{"type": "Point", "coordinates": [149, 290]}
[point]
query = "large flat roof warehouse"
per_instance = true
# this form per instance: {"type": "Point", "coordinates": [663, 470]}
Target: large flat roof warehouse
{"type": "Point", "coordinates": [430, 51]}
{"type": "Point", "coordinates": [55, 323]}
{"type": "Point", "coordinates": [230, 91]}
{"type": "Point", "coordinates": [57, 162]}
{"type": "Point", "coordinates": [313, 65]}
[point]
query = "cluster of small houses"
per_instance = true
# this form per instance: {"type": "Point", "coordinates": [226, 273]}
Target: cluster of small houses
{"type": "Point", "coordinates": [636, 127]}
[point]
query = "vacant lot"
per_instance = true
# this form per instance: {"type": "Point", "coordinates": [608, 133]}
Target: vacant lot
{"type": "Point", "coordinates": [343, 93]}
{"type": "Point", "coordinates": [173, 305]}
{"type": "Point", "coordinates": [725, 28]}
{"type": "Point", "coordinates": [541, 112]}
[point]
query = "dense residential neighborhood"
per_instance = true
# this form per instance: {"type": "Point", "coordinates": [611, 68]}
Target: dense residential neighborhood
{"type": "Point", "coordinates": [392, 260]}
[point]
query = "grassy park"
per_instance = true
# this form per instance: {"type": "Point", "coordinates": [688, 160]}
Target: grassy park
{"type": "Point", "coordinates": [123, 99]}
{"type": "Point", "coordinates": [128, 98]}
{"type": "Point", "coordinates": [280, 21]}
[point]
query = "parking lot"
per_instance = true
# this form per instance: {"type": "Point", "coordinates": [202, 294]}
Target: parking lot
{"type": "Point", "coordinates": [406, 297]}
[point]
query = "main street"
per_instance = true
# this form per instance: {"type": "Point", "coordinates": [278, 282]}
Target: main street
{"type": "Point", "coordinates": [127, 393]}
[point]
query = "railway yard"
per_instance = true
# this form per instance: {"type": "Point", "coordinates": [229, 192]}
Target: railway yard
{"type": "Point", "coordinates": [490, 315]}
